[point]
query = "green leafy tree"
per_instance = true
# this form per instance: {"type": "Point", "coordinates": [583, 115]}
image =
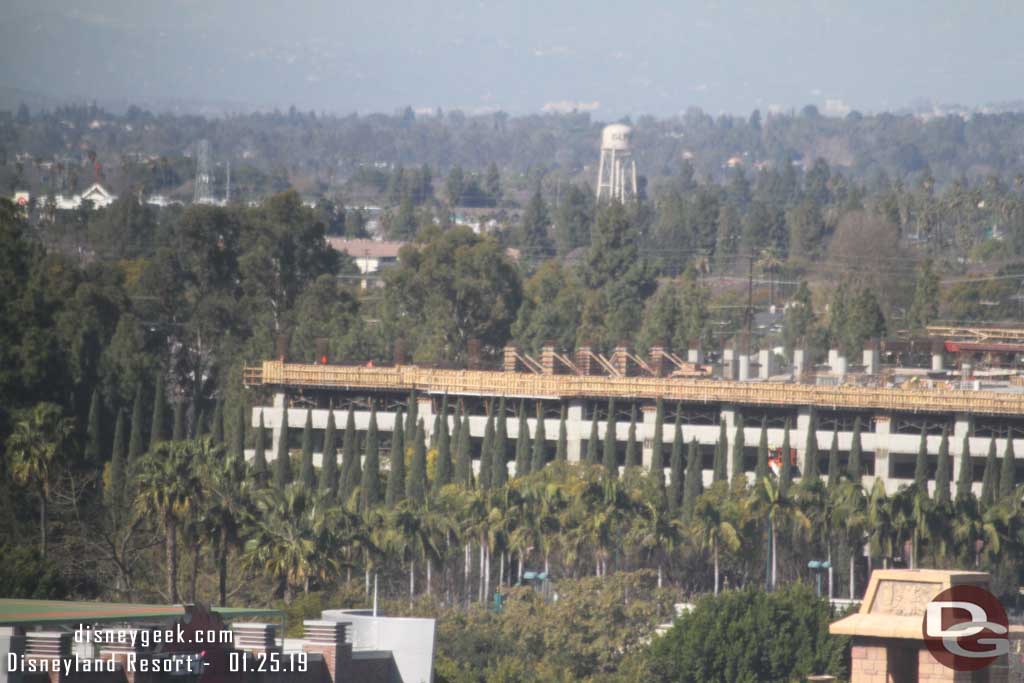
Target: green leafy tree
{"type": "Point", "coordinates": [259, 459]}
{"type": "Point", "coordinates": [136, 444]}
{"type": "Point", "coordinates": [93, 437]}
{"type": "Point", "coordinates": [485, 475]}
{"type": "Point", "coordinates": [349, 454]}
{"type": "Point", "coordinates": [499, 458]}
{"type": "Point", "coordinates": [943, 471]}
{"type": "Point", "coordinates": [522, 443]}
{"type": "Point", "coordinates": [533, 228]}
{"type": "Point", "coordinates": [416, 484]}
{"type": "Point", "coordinates": [395, 492]}
{"type": "Point", "coordinates": [463, 456]}
{"type": "Point", "coordinates": [761, 470]}
{"type": "Point", "coordinates": [610, 456]}
{"type": "Point", "coordinates": [328, 483]}
{"type": "Point", "coordinates": [854, 467]}
{"type": "Point", "coordinates": [925, 306]}
{"type": "Point", "coordinates": [115, 481]}
{"type": "Point", "coordinates": [719, 465]}
{"type": "Point", "coordinates": [990, 480]}
{"type": "Point", "coordinates": [964, 478]}
{"type": "Point", "coordinates": [282, 463]}
{"type": "Point", "coordinates": [592, 442]}
{"type": "Point", "coordinates": [539, 455]}
{"type": "Point", "coordinates": [632, 449]}
{"type": "Point", "coordinates": [158, 426]}
{"type": "Point", "coordinates": [443, 462]}
{"type": "Point", "coordinates": [739, 446]}
{"type": "Point", "coordinates": [562, 445]}
{"type": "Point", "coordinates": [1008, 474]}
{"type": "Point", "coordinates": [786, 468]}
{"type": "Point", "coordinates": [370, 487]}
{"type": "Point", "coordinates": [217, 424]}
{"type": "Point", "coordinates": [693, 481]}
{"type": "Point", "coordinates": [921, 466]}
{"type": "Point", "coordinates": [833, 461]}
{"type": "Point", "coordinates": [306, 475]}
{"type": "Point", "coordinates": [811, 471]}
{"type": "Point", "coordinates": [178, 430]}
{"type": "Point", "coordinates": [676, 467]}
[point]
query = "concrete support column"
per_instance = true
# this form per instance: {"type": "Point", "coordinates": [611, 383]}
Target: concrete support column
{"type": "Point", "coordinates": [694, 355]}
{"type": "Point", "coordinates": [645, 434]}
{"type": "Point", "coordinates": [798, 437]}
{"type": "Point", "coordinates": [744, 371]}
{"type": "Point", "coordinates": [764, 359]}
{"type": "Point", "coordinates": [575, 431]}
{"type": "Point", "coordinates": [881, 441]}
{"type": "Point", "coordinates": [798, 364]}
{"type": "Point", "coordinates": [281, 406]}
{"type": "Point", "coordinates": [425, 412]}
{"type": "Point", "coordinates": [961, 428]}
{"type": "Point", "coordinates": [729, 363]}
{"type": "Point", "coordinates": [728, 416]}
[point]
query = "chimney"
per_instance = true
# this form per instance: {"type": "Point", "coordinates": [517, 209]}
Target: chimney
{"type": "Point", "coordinates": [656, 359]}
{"type": "Point", "coordinates": [510, 362]}
{"type": "Point", "coordinates": [547, 359]}
{"type": "Point", "coordinates": [798, 365]}
{"type": "Point", "coordinates": [583, 360]}
{"type": "Point", "coordinates": [937, 356]}
{"type": "Point", "coordinates": [328, 638]}
{"type": "Point", "coordinates": [872, 358]}
{"type": "Point", "coordinates": [765, 360]}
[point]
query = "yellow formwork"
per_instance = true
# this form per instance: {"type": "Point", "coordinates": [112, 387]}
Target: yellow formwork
{"type": "Point", "coordinates": [489, 383]}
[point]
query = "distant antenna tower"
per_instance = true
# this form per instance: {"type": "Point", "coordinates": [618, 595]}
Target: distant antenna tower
{"type": "Point", "coordinates": [616, 174]}
{"type": "Point", "coordinates": [203, 189]}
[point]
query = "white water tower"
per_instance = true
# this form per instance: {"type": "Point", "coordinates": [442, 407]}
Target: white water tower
{"type": "Point", "coordinates": [616, 174]}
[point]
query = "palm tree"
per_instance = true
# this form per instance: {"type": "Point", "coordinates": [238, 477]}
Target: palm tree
{"type": "Point", "coordinates": [36, 447]}
{"type": "Point", "coordinates": [882, 534]}
{"type": "Point", "coordinates": [168, 483]}
{"type": "Point", "coordinates": [850, 507]}
{"type": "Point", "coordinates": [778, 507]}
{"type": "Point", "coordinates": [712, 528]}
{"type": "Point", "coordinates": [228, 494]}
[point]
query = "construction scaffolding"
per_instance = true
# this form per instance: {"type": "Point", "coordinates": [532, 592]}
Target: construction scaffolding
{"type": "Point", "coordinates": [981, 334]}
{"type": "Point", "coordinates": [405, 378]}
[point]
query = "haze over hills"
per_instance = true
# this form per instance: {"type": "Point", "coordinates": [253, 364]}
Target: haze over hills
{"type": "Point", "coordinates": [654, 58]}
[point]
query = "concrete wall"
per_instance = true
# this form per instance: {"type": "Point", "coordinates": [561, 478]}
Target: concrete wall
{"type": "Point", "coordinates": [410, 640]}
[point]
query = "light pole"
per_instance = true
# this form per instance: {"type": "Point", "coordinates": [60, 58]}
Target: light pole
{"type": "Point", "coordinates": [819, 567]}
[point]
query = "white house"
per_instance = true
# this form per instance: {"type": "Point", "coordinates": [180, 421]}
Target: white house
{"type": "Point", "coordinates": [95, 193]}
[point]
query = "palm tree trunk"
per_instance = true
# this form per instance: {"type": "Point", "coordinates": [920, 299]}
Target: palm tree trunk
{"type": "Point", "coordinates": [366, 571]}
{"type": "Point", "coordinates": [520, 576]}
{"type": "Point", "coordinates": [466, 562]}
{"type": "Point", "coordinates": [501, 570]}
{"type": "Point", "coordinates": [487, 574]}
{"type": "Point", "coordinates": [775, 556]}
{"type": "Point", "coordinates": [659, 575]}
{"type": "Point", "coordinates": [828, 548]}
{"type": "Point", "coordinates": [852, 566]}
{"type": "Point", "coordinates": [42, 524]}
{"type": "Point", "coordinates": [222, 567]}
{"type": "Point", "coordinates": [483, 545]}
{"type": "Point", "coordinates": [171, 551]}
{"type": "Point", "coordinates": [412, 580]}
{"type": "Point", "coordinates": [427, 560]}
{"type": "Point", "coordinates": [194, 576]}
{"type": "Point", "coordinates": [714, 551]}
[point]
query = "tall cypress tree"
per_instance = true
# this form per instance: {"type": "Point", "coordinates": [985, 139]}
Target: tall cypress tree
{"type": "Point", "coordinates": [720, 466]}
{"type": "Point", "coordinates": [349, 454]}
{"type": "Point", "coordinates": [522, 444]}
{"type": "Point", "coordinates": [675, 484]}
{"type": "Point", "coordinates": [610, 457]}
{"type": "Point", "coordinates": [93, 437]}
{"type": "Point", "coordinates": [306, 476]}
{"type": "Point", "coordinates": [117, 474]}
{"type": "Point", "coordinates": [283, 463]}
{"type": "Point", "coordinates": [369, 489]}
{"type": "Point", "coordinates": [499, 461]}
{"type": "Point", "coordinates": [658, 441]}
{"type": "Point", "coordinates": [539, 456]}
{"type": "Point", "coordinates": [259, 458]}
{"type": "Point", "coordinates": [178, 429]}
{"type": "Point", "coordinates": [439, 417]}
{"type": "Point", "coordinates": [463, 457]}
{"type": "Point", "coordinates": [158, 426]}
{"type": "Point", "coordinates": [990, 482]}
{"type": "Point", "coordinates": [443, 463]}
{"type": "Point", "coordinates": [921, 465]}
{"type": "Point", "coordinates": [487, 451]}
{"type": "Point", "coordinates": [217, 426]}
{"type": "Point", "coordinates": [786, 470]}
{"type": "Point", "coordinates": [328, 483]}
{"type": "Point", "coordinates": [833, 460]}
{"type": "Point", "coordinates": [396, 476]}
{"type": "Point", "coordinates": [238, 442]}
{"type": "Point", "coordinates": [413, 417]}
{"type": "Point", "coordinates": [632, 451]}
{"type": "Point", "coordinates": [943, 471]}
{"type": "Point", "coordinates": [562, 446]}
{"type": "Point", "coordinates": [1008, 474]}
{"type": "Point", "coordinates": [416, 485]}
{"type": "Point", "coordinates": [693, 482]}
{"type": "Point", "coordinates": [136, 444]}
{"type": "Point", "coordinates": [964, 476]}
{"type": "Point", "coordinates": [854, 467]}
{"type": "Point", "coordinates": [811, 469]}
{"type": "Point", "coordinates": [761, 468]}
{"type": "Point", "coordinates": [739, 446]}
{"type": "Point", "coordinates": [456, 426]}
{"type": "Point", "coordinates": [592, 458]}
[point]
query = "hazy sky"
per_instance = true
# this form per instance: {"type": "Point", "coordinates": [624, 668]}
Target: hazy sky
{"type": "Point", "coordinates": [518, 55]}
